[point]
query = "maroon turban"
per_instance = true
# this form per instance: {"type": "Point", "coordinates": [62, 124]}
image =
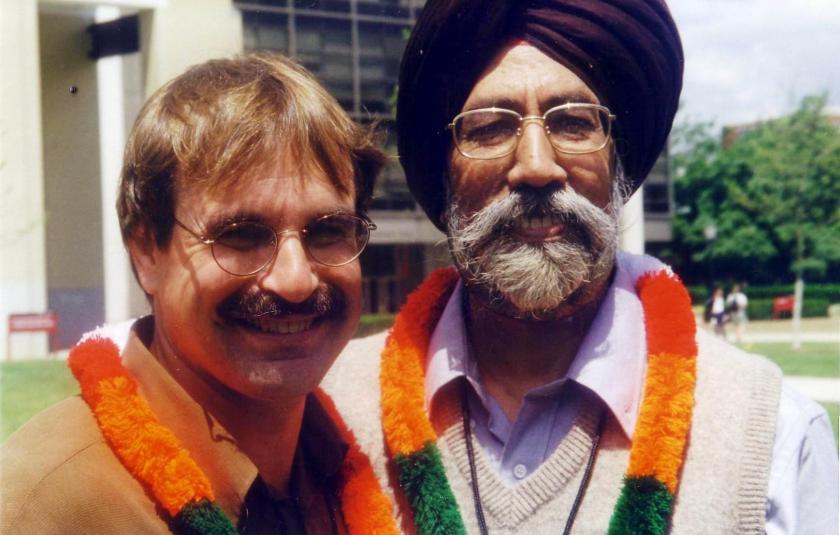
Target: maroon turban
{"type": "Point", "coordinates": [627, 51]}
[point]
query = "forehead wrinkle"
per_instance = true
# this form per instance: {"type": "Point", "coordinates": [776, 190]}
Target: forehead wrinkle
{"type": "Point", "coordinates": [524, 83]}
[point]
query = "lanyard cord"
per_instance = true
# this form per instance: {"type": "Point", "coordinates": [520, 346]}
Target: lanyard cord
{"type": "Point", "coordinates": [479, 510]}
{"type": "Point", "coordinates": [465, 414]}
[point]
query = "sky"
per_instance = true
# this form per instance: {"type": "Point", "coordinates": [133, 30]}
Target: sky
{"type": "Point", "coordinates": [754, 59]}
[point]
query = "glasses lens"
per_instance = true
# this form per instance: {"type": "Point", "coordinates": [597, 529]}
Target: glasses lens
{"type": "Point", "coordinates": [578, 129]}
{"type": "Point", "coordinates": [486, 133]}
{"type": "Point", "coordinates": [244, 248]}
{"type": "Point", "coordinates": [336, 240]}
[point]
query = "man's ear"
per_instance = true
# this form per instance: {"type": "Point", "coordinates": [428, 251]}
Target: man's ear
{"type": "Point", "coordinates": [145, 257]}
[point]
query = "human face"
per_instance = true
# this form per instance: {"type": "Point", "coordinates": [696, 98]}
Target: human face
{"type": "Point", "coordinates": [266, 336]}
{"type": "Point", "coordinates": [537, 228]}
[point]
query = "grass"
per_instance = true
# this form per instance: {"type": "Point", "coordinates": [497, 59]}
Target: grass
{"type": "Point", "coordinates": [27, 387]}
{"type": "Point", "coordinates": [833, 410]}
{"type": "Point", "coordinates": [812, 360]}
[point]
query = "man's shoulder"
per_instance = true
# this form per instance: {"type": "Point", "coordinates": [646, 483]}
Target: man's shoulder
{"type": "Point", "coordinates": [360, 356]}
{"type": "Point", "coordinates": [358, 361]}
{"type": "Point", "coordinates": [721, 354]}
{"type": "Point", "coordinates": [60, 476]}
{"type": "Point", "coordinates": [52, 436]}
{"type": "Point", "coordinates": [353, 384]}
{"type": "Point", "coordinates": [46, 453]}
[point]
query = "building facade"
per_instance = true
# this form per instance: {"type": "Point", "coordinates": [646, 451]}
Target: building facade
{"type": "Point", "coordinates": [77, 71]}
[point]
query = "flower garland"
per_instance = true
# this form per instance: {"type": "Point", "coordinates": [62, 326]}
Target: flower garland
{"type": "Point", "coordinates": [651, 480]}
{"type": "Point", "coordinates": [155, 457]}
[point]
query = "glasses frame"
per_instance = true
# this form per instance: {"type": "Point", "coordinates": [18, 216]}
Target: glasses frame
{"type": "Point", "coordinates": [210, 242]}
{"type": "Point", "coordinates": [534, 118]}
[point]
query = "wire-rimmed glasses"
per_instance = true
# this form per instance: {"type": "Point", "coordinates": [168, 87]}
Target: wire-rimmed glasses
{"type": "Point", "coordinates": [245, 248]}
{"type": "Point", "coordinates": [573, 128]}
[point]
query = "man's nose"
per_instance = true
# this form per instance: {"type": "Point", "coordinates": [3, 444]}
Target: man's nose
{"type": "Point", "coordinates": [537, 164]}
{"type": "Point", "coordinates": [290, 275]}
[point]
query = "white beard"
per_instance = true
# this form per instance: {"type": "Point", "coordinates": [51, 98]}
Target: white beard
{"type": "Point", "coordinates": [535, 279]}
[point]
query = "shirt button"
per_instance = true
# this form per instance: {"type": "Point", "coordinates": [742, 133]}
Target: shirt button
{"type": "Point", "coordinates": [520, 471]}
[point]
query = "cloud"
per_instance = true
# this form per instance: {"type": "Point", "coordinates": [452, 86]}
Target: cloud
{"type": "Point", "coordinates": [752, 59]}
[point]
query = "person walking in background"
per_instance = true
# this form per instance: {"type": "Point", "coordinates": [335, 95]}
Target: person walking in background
{"type": "Point", "coordinates": [716, 312]}
{"type": "Point", "coordinates": [736, 306]}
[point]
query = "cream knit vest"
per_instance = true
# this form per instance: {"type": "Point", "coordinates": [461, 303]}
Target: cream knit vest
{"type": "Point", "coordinates": [724, 481]}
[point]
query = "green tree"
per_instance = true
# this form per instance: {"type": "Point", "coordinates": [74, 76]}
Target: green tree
{"type": "Point", "coordinates": [772, 193]}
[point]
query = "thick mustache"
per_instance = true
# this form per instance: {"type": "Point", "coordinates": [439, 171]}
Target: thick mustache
{"type": "Point", "coordinates": [325, 301]}
{"type": "Point", "coordinates": [568, 206]}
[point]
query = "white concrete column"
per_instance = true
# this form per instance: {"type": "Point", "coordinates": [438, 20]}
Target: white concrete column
{"type": "Point", "coordinates": [186, 32]}
{"type": "Point", "coordinates": [23, 279]}
{"type": "Point", "coordinates": [633, 224]}
{"type": "Point", "coordinates": [117, 268]}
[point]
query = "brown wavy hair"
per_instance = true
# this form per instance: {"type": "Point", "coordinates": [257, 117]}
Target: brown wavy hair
{"type": "Point", "coordinates": [228, 119]}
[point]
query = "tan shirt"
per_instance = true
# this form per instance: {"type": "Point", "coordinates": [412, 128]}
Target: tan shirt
{"type": "Point", "coordinates": [57, 474]}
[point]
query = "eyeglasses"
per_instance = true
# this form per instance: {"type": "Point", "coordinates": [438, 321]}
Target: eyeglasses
{"type": "Point", "coordinates": [574, 128]}
{"type": "Point", "coordinates": [247, 247]}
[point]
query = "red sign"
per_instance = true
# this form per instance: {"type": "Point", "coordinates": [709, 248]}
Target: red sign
{"type": "Point", "coordinates": [21, 323]}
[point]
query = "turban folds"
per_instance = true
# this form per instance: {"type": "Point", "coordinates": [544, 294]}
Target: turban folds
{"type": "Point", "coordinates": [627, 51]}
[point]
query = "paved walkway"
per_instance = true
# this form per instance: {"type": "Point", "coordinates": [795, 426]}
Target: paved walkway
{"type": "Point", "coordinates": [823, 330]}
{"type": "Point", "coordinates": [811, 330]}
{"type": "Point", "coordinates": [818, 389]}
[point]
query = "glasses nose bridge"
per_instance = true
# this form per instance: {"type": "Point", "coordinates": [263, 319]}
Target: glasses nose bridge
{"type": "Point", "coordinates": [523, 121]}
{"type": "Point", "coordinates": [280, 237]}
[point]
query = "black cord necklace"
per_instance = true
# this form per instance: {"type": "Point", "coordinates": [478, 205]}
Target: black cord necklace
{"type": "Point", "coordinates": [479, 509]}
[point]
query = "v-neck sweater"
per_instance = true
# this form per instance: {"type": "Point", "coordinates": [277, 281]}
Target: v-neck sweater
{"type": "Point", "coordinates": [724, 480]}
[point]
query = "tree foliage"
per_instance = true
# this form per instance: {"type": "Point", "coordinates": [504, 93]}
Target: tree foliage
{"type": "Point", "coordinates": [772, 193]}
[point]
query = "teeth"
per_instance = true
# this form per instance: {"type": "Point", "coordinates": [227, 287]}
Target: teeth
{"type": "Point", "coordinates": [532, 222]}
{"type": "Point", "coordinates": [277, 326]}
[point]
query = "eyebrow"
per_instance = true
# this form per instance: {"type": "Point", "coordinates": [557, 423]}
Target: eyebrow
{"type": "Point", "coordinates": [213, 226]}
{"type": "Point", "coordinates": [217, 223]}
{"type": "Point", "coordinates": [551, 102]}
{"type": "Point", "coordinates": [559, 100]}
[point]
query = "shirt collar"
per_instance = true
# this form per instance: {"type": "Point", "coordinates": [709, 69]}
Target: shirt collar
{"type": "Point", "coordinates": [611, 361]}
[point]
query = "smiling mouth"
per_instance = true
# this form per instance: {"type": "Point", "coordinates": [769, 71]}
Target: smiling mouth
{"type": "Point", "coordinates": [274, 325]}
{"type": "Point", "coordinates": [537, 222]}
{"type": "Point", "coordinates": [545, 227]}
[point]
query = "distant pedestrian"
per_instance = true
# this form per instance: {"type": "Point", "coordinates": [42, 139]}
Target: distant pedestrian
{"type": "Point", "coordinates": [715, 312]}
{"type": "Point", "coordinates": [736, 305]}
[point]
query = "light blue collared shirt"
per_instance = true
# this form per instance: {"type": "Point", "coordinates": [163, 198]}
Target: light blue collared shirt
{"type": "Point", "coordinates": [610, 366]}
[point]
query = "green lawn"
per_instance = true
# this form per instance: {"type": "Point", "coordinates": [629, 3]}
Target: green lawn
{"type": "Point", "coordinates": [27, 387]}
{"type": "Point", "coordinates": [812, 360]}
{"type": "Point", "coordinates": [833, 413]}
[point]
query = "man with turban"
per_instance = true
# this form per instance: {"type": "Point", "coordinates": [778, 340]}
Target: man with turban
{"type": "Point", "coordinates": [549, 383]}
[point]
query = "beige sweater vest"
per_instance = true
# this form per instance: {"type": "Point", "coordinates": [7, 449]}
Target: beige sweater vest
{"type": "Point", "coordinates": [724, 481]}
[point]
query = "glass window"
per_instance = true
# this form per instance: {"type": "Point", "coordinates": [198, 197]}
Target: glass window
{"type": "Point", "coordinates": [335, 6]}
{"type": "Point", "coordinates": [265, 31]}
{"type": "Point", "coordinates": [324, 46]}
{"type": "Point", "coordinates": [380, 50]}
{"type": "Point", "coordinates": [384, 8]}
{"type": "Point", "coordinates": [656, 198]}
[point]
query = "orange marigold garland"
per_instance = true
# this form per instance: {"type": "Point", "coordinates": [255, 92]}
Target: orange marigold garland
{"type": "Point", "coordinates": [155, 457]}
{"type": "Point", "coordinates": [656, 455]}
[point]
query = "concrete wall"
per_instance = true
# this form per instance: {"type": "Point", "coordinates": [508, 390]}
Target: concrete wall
{"type": "Point", "coordinates": [71, 174]}
{"type": "Point", "coordinates": [58, 247]}
{"type": "Point", "coordinates": [22, 262]}
{"type": "Point", "coordinates": [186, 32]}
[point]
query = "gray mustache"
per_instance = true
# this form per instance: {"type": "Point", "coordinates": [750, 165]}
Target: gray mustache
{"type": "Point", "coordinates": [568, 206]}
